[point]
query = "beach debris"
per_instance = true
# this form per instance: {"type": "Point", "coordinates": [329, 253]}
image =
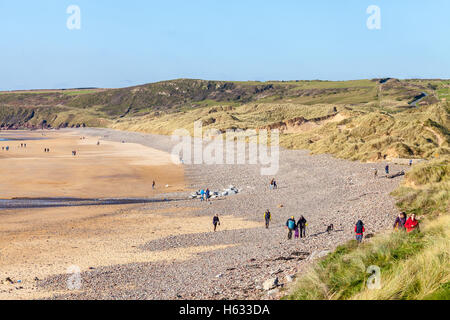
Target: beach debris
{"type": "Point", "coordinates": [272, 292]}
{"type": "Point", "coordinates": [398, 174]}
{"type": "Point", "coordinates": [270, 284]}
{"type": "Point", "coordinates": [289, 278]}
{"type": "Point", "coordinates": [9, 280]}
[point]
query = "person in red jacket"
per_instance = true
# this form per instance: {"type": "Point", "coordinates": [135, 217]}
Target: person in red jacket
{"type": "Point", "coordinates": [359, 230]}
{"type": "Point", "coordinates": [412, 223]}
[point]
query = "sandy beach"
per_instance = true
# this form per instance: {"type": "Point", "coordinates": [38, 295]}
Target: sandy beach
{"type": "Point", "coordinates": [166, 250]}
{"type": "Point", "coordinates": [111, 169]}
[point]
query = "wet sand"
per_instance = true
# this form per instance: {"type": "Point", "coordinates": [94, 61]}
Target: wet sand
{"type": "Point", "coordinates": [110, 170]}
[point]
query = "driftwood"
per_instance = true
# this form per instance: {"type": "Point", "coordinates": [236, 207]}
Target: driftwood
{"type": "Point", "coordinates": [398, 174]}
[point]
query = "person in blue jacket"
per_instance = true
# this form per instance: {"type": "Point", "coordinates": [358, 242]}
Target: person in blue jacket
{"type": "Point", "coordinates": [290, 224]}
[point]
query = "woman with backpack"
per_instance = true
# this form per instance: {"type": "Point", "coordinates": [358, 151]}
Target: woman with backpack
{"type": "Point", "coordinates": [359, 230]}
{"type": "Point", "coordinates": [290, 224]}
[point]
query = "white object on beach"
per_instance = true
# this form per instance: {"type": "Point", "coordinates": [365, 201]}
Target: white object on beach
{"type": "Point", "coordinates": [270, 283]}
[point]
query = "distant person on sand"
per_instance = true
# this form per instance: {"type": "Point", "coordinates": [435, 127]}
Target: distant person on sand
{"type": "Point", "coordinates": [400, 221]}
{"type": "Point", "coordinates": [153, 184]}
{"type": "Point", "coordinates": [207, 194]}
{"type": "Point", "coordinates": [290, 224]}
{"type": "Point", "coordinates": [375, 172]}
{"type": "Point", "coordinates": [202, 193]}
{"type": "Point", "coordinates": [359, 230]}
{"type": "Point", "coordinates": [301, 224]}
{"type": "Point", "coordinates": [410, 163]}
{"type": "Point", "coordinates": [273, 184]}
{"type": "Point", "coordinates": [216, 222]}
{"type": "Point", "coordinates": [412, 223]}
{"type": "Point", "coordinates": [267, 218]}
{"type": "Point", "coordinates": [387, 169]}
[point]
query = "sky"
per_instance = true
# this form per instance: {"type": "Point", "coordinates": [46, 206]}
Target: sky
{"type": "Point", "coordinates": [124, 43]}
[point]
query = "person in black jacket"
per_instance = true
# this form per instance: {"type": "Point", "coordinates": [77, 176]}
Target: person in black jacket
{"type": "Point", "coordinates": [301, 225]}
{"type": "Point", "coordinates": [216, 222]}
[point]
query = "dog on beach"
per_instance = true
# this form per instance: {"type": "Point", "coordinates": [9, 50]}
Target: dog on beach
{"type": "Point", "coordinates": [330, 228]}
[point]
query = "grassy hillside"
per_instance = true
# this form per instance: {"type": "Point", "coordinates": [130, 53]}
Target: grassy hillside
{"type": "Point", "coordinates": [187, 94]}
{"type": "Point", "coordinates": [413, 266]}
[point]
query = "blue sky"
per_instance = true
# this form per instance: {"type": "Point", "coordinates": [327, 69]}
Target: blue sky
{"type": "Point", "coordinates": [124, 43]}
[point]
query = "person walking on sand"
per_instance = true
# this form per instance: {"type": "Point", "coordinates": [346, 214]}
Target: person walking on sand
{"type": "Point", "coordinates": [412, 224]}
{"type": "Point", "coordinates": [375, 172]}
{"type": "Point", "coordinates": [301, 224]}
{"type": "Point", "coordinates": [386, 169]}
{"type": "Point", "coordinates": [290, 224]}
{"type": "Point", "coordinates": [153, 185]}
{"type": "Point", "coordinates": [202, 193]}
{"type": "Point", "coordinates": [400, 221]}
{"type": "Point", "coordinates": [216, 222]}
{"type": "Point", "coordinates": [410, 162]}
{"type": "Point", "coordinates": [359, 230]}
{"type": "Point", "coordinates": [207, 194]}
{"type": "Point", "coordinates": [267, 218]}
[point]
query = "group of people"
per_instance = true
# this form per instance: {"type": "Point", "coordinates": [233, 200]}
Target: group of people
{"type": "Point", "coordinates": [403, 223]}
{"type": "Point", "coordinates": [205, 194]}
{"type": "Point", "coordinates": [5, 148]}
{"type": "Point", "coordinates": [46, 150]}
{"type": "Point", "coordinates": [298, 228]}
